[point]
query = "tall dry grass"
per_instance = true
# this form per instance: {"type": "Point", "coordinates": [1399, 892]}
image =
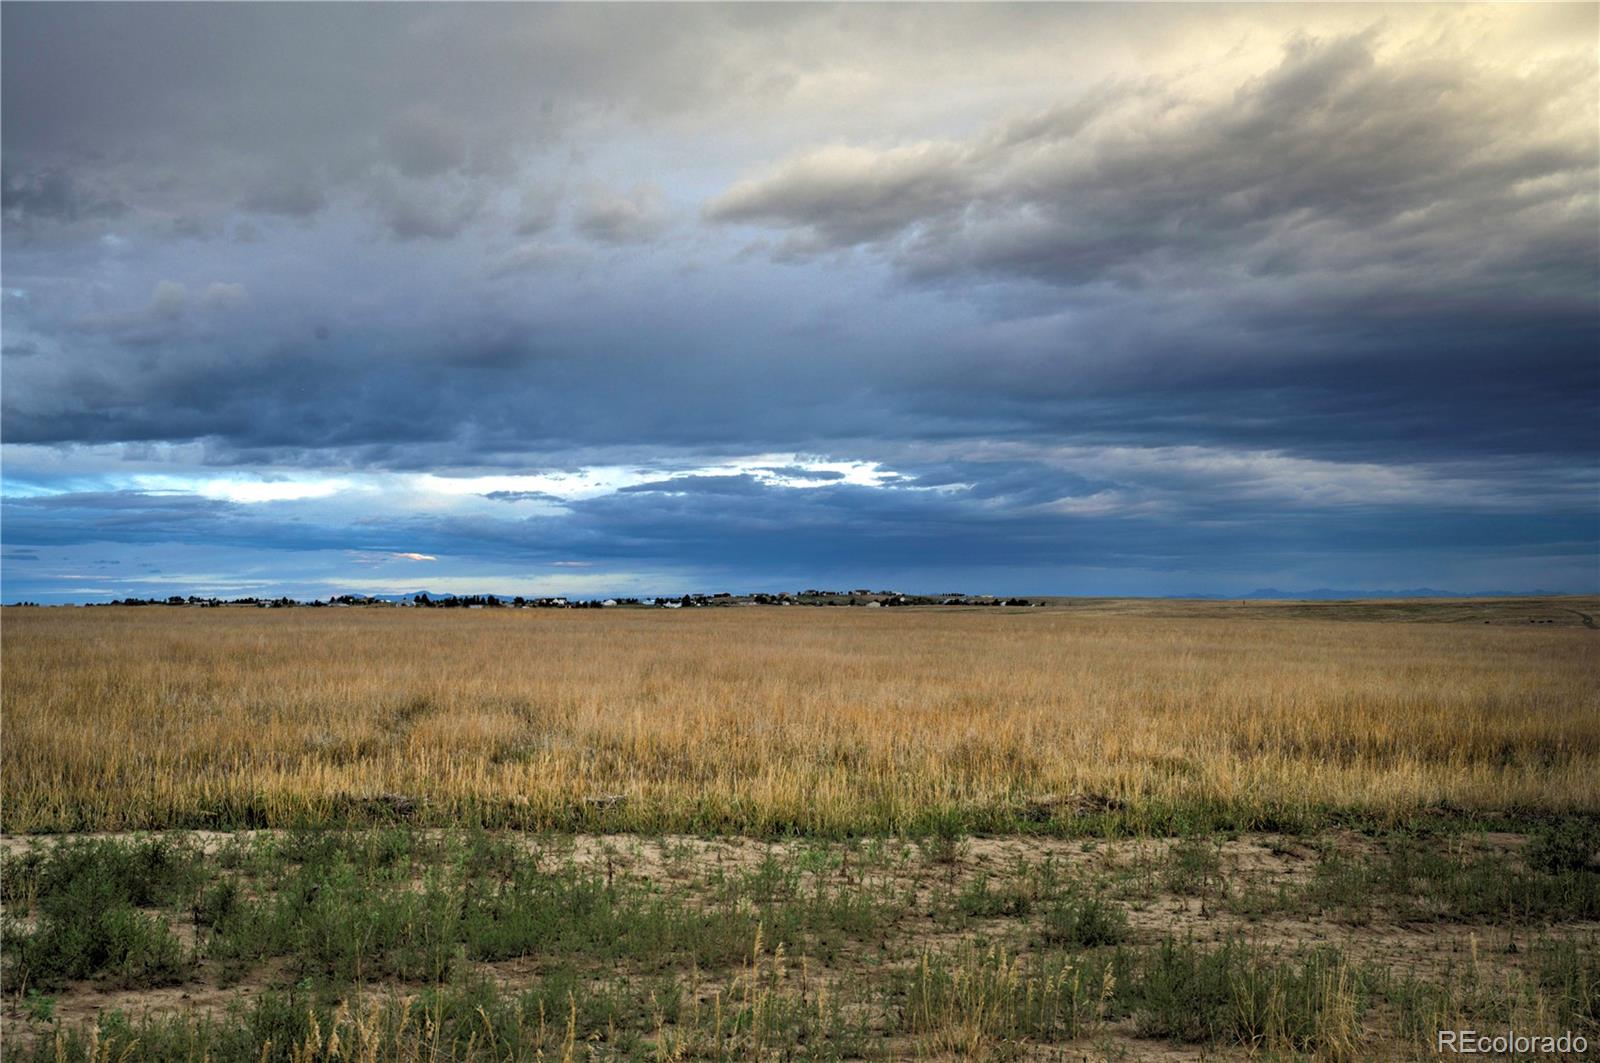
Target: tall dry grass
{"type": "Point", "coordinates": [777, 719]}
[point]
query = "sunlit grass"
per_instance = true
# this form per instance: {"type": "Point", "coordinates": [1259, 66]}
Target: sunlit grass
{"type": "Point", "coordinates": [761, 720]}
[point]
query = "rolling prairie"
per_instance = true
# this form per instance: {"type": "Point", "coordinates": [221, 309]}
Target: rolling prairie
{"type": "Point", "coordinates": [1110, 829]}
{"type": "Point", "coordinates": [800, 721]}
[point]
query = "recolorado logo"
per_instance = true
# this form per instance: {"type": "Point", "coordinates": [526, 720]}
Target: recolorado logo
{"type": "Point", "coordinates": [1471, 1042]}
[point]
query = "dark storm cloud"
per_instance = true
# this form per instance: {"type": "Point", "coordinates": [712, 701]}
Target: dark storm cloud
{"type": "Point", "coordinates": [140, 517]}
{"type": "Point", "coordinates": [52, 195]}
{"type": "Point", "coordinates": [1090, 285]}
{"type": "Point", "coordinates": [737, 524]}
{"type": "Point", "coordinates": [462, 396]}
{"type": "Point", "coordinates": [282, 110]}
{"type": "Point", "coordinates": [1287, 243]}
{"type": "Point", "coordinates": [1334, 162]}
{"type": "Point", "coordinates": [95, 516]}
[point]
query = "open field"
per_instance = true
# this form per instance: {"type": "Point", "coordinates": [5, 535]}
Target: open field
{"type": "Point", "coordinates": [1105, 716]}
{"type": "Point", "coordinates": [1099, 830]}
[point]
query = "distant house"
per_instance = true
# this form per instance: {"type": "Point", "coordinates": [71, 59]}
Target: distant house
{"type": "Point", "coordinates": [608, 603]}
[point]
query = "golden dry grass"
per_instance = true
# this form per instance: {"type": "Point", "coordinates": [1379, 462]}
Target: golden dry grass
{"type": "Point", "coordinates": [766, 719]}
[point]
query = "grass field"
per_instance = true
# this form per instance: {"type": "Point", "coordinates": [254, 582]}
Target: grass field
{"type": "Point", "coordinates": [1098, 830]}
{"type": "Point", "coordinates": [814, 721]}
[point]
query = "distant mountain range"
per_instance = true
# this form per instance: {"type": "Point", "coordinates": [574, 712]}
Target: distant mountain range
{"type": "Point", "coordinates": [1327, 594]}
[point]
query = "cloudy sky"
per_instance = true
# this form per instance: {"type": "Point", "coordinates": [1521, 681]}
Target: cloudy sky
{"type": "Point", "coordinates": [609, 299]}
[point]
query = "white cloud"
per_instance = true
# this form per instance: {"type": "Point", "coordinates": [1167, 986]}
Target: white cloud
{"type": "Point", "coordinates": [239, 489]}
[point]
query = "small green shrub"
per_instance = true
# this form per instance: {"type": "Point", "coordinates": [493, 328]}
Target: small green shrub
{"type": "Point", "coordinates": [1084, 921]}
{"type": "Point", "coordinates": [978, 901]}
{"type": "Point", "coordinates": [150, 873]}
{"type": "Point", "coordinates": [1193, 866]}
{"type": "Point", "coordinates": [134, 949]}
{"type": "Point", "coordinates": [1569, 845]}
{"type": "Point", "coordinates": [218, 904]}
{"type": "Point", "coordinates": [87, 894]}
